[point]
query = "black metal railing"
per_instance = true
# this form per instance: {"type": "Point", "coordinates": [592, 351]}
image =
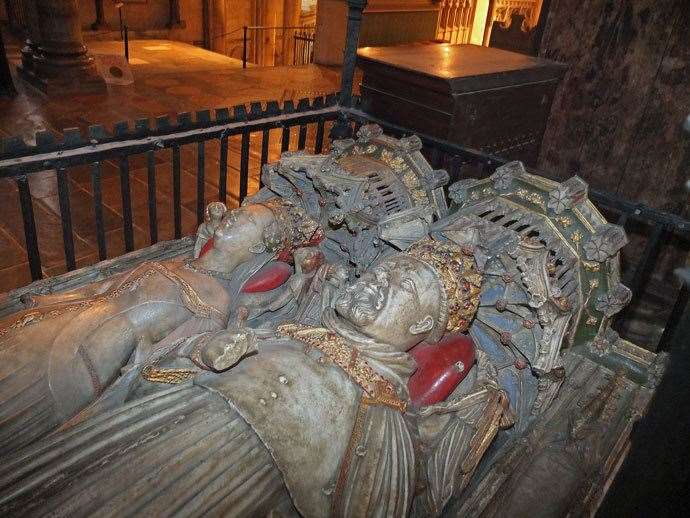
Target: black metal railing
{"type": "Point", "coordinates": [19, 161]}
{"type": "Point", "coordinates": [277, 46]}
{"type": "Point", "coordinates": [303, 46]}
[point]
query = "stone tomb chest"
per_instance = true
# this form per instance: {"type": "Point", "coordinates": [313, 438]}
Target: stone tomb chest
{"type": "Point", "coordinates": [484, 98]}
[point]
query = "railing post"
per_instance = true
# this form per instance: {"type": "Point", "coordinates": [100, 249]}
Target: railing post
{"type": "Point", "coordinates": [100, 17]}
{"type": "Point", "coordinates": [174, 16]}
{"type": "Point", "coordinates": [127, 43]}
{"type": "Point", "coordinates": [341, 128]}
{"type": "Point", "coordinates": [119, 6]}
{"type": "Point", "coordinates": [244, 47]}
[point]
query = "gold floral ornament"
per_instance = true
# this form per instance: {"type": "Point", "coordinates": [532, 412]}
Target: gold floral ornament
{"type": "Point", "coordinates": [378, 389]}
{"type": "Point", "coordinates": [294, 229]}
{"type": "Point", "coordinates": [458, 274]}
{"type": "Point", "coordinates": [169, 376]}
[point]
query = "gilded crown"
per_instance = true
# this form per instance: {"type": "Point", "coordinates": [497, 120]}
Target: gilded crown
{"type": "Point", "coordinates": [294, 228]}
{"type": "Point", "coordinates": [457, 273]}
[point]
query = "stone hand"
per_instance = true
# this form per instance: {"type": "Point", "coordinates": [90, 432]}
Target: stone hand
{"type": "Point", "coordinates": [225, 349]}
{"type": "Point", "coordinates": [337, 274]}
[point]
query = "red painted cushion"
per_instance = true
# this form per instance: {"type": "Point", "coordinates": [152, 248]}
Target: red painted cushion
{"type": "Point", "coordinates": [440, 368]}
{"type": "Point", "coordinates": [207, 246]}
{"type": "Point", "coordinates": [271, 275]}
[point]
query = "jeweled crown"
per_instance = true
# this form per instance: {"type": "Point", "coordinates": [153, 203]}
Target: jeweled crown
{"type": "Point", "coordinates": [457, 272]}
{"type": "Point", "coordinates": [294, 228]}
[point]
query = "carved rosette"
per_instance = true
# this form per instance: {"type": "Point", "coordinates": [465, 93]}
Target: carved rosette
{"type": "Point", "coordinates": [567, 195]}
{"type": "Point", "coordinates": [614, 300]}
{"type": "Point", "coordinates": [504, 176]}
{"type": "Point", "coordinates": [605, 243]}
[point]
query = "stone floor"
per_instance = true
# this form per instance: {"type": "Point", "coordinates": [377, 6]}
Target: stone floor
{"type": "Point", "coordinates": [169, 77]}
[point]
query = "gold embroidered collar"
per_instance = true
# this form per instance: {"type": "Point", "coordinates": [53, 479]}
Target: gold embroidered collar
{"type": "Point", "coordinates": [376, 387]}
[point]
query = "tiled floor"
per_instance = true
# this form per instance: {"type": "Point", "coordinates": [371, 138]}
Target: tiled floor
{"type": "Point", "coordinates": [170, 77]}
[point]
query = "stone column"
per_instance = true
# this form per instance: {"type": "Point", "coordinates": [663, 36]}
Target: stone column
{"type": "Point", "coordinates": [33, 36]}
{"type": "Point", "coordinates": [100, 23]}
{"type": "Point", "coordinates": [291, 18]}
{"type": "Point", "coordinates": [174, 17]}
{"type": "Point", "coordinates": [61, 63]}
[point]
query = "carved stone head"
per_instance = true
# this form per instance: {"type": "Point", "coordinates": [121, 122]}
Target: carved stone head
{"type": "Point", "coordinates": [240, 233]}
{"type": "Point", "coordinates": [215, 212]}
{"type": "Point", "coordinates": [413, 296]}
{"type": "Point", "coordinates": [275, 226]}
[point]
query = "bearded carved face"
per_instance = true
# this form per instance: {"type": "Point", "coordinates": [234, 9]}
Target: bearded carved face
{"type": "Point", "coordinates": [362, 301]}
{"type": "Point", "coordinates": [396, 302]}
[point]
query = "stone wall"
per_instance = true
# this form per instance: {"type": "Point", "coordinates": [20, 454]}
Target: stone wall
{"type": "Point", "coordinates": [616, 120]}
{"type": "Point", "coordinates": [229, 16]}
{"type": "Point", "coordinates": [148, 18]}
{"type": "Point", "coordinates": [385, 22]}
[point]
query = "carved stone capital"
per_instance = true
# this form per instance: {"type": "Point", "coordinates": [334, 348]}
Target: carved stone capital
{"type": "Point", "coordinates": [459, 191]}
{"type": "Point", "coordinates": [338, 147]}
{"type": "Point", "coordinates": [368, 132]}
{"type": "Point", "coordinates": [437, 178]}
{"type": "Point", "coordinates": [613, 301]}
{"type": "Point", "coordinates": [605, 243]}
{"type": "Point", "coordinates": [504, 175]}
{"type": "Point", "coordinates": [410, 144]}
{"type": "Point", "coordinates": [568, 194]}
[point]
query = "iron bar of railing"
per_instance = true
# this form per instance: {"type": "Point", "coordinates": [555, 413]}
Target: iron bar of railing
{"type": "Point", "coordinates": [126, 195]}
{"type": "Point", "coordinates": [200, 181]}
{"type": "Point", "coordinates": [66, 217]}
{"type": "Point", "coordinates": [30, 235]}
{"type": "Point", "coordinates": [223, 173]}
{"type": "Point", "coordinates": [98, 209]}
{"type": "Point", "coordinates": [265, 141]}
{"type": "Point", "coordinates": [285, 139]}
{"type": "Point", "coordinates": [244, 165]}
{"type": "Point", "coordinates": [320, 130]}
{"type": "Point", "coordinates": [355, 8]}
{"type": "Point", "coordinates": [151, 195]}
{"type": "Point", "coordinates": [126, 43]}
{"type": "Point", "coordinates": [244, 46]}
{"type": "Point", "coordinates": [177, 191]}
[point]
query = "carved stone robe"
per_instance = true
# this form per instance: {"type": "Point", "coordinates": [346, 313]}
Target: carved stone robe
{"type": "Point", "coordinates": [280, 423]}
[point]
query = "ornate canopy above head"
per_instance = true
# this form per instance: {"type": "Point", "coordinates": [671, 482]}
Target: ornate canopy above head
{"type": "Point", "coordinates": [375, 193]}
{"type": "Point", "coordinates": [551, 268]}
